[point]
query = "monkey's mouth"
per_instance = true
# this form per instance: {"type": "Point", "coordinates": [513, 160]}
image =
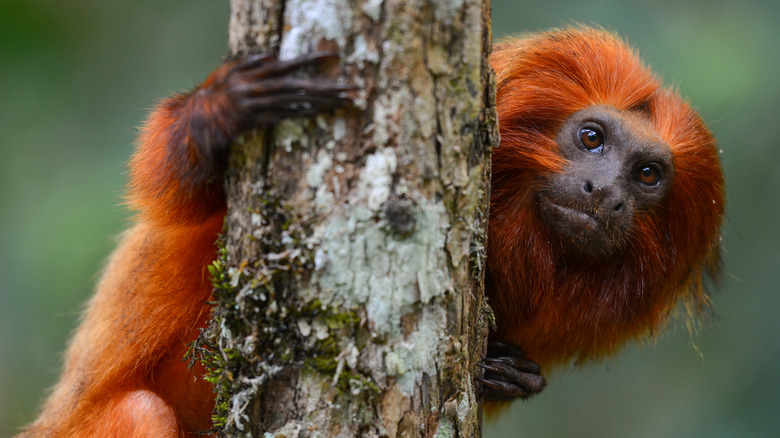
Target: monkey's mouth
{"type": "Point", "coordinates": [568, 220]}
{"type": "Point", "coordinates": [578, 229]}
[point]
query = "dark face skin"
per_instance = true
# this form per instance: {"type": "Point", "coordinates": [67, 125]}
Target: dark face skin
{"type": "Point", "coordinates": [617, 167]}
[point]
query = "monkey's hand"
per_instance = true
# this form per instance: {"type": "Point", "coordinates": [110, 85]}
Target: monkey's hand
{"type": "Point", "coordinates": [508, 375]}
{"type": "Point", "coordinates": [265, 91]}
{"type": "Point", "coordinates": [256, 90]}
{"type": "Point", "coordinates": [176, 175]}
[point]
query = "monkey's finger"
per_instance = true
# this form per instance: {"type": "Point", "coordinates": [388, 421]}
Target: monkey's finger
{"type": "Point", "coordinates": [524, 365]}
{"type": "Point", "coordinates": [275, 67]}
{"type": "Point", "coordinates": [499, 385]}
{"type": "Point", "coordinates": [253, 60]}
{"type": "Point", "coordinates": [501, 391]}
{"type": "Point", "coordinates": [292, 101]}
{"type": "Point", "coordinates": [280, 85]}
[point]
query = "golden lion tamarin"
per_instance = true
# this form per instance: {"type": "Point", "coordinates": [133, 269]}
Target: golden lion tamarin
{"type": "Point", "coordinates": [606, 204]}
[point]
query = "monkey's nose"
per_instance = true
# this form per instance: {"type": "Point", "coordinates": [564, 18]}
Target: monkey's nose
{"type": "Point", "coordinates": [606, 198]}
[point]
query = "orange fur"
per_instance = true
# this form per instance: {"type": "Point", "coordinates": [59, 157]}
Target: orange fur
{"type": "Point", "coordinates": [557, 307]}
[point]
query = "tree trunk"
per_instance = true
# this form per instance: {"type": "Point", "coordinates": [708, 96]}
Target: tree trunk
{"type": "Point", "coordinates": [349, 292]}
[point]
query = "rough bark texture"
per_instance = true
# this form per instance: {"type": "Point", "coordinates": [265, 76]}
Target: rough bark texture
{"type": "Point", "coordinates": [350, 288]}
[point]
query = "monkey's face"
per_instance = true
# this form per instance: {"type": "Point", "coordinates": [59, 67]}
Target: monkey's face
{"type": "Point", "coordinates": [616, 169]}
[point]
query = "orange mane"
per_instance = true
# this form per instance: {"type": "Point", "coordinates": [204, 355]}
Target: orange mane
{"type": "Point", "coordinates": [557, 307]}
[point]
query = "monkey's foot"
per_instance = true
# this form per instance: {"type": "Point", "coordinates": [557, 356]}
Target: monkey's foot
{"type": "Point", "coordinates": [508, 375]}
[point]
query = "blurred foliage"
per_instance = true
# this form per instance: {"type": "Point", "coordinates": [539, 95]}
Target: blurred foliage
{"type": "Point", "coordinates": [78, 77]}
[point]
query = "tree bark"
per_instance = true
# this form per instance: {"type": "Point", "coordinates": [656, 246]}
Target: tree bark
{"type": "Point", "coordinates": [349, 291]}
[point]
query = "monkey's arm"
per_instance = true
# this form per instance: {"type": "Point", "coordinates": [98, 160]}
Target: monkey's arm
{"type": "Point", "coordinates": [124, 374]}
{"type": "Point", "coordinates": [176, 173]}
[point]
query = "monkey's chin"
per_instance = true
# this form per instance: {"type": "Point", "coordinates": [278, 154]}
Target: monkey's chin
{"type": "Point", "coordinates": [578, 231]}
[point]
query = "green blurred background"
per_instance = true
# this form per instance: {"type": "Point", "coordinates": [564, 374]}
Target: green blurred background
{"type": "Point", "coordinates": [77, 78]}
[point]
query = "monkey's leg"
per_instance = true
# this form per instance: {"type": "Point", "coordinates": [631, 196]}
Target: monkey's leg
{"type": "Point", "coordinates": [138, 414]}
{"type": "Point", "coordinates": [508, 375]}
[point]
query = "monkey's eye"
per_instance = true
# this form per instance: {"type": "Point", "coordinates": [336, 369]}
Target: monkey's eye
{"type": "Point", "coordinates": [648, 175]}
{"type": "Point", "coordinates": [591, 139]}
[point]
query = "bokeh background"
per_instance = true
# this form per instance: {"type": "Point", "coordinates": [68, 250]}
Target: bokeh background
{"type": "Point", "coordinates": [77, 78]}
